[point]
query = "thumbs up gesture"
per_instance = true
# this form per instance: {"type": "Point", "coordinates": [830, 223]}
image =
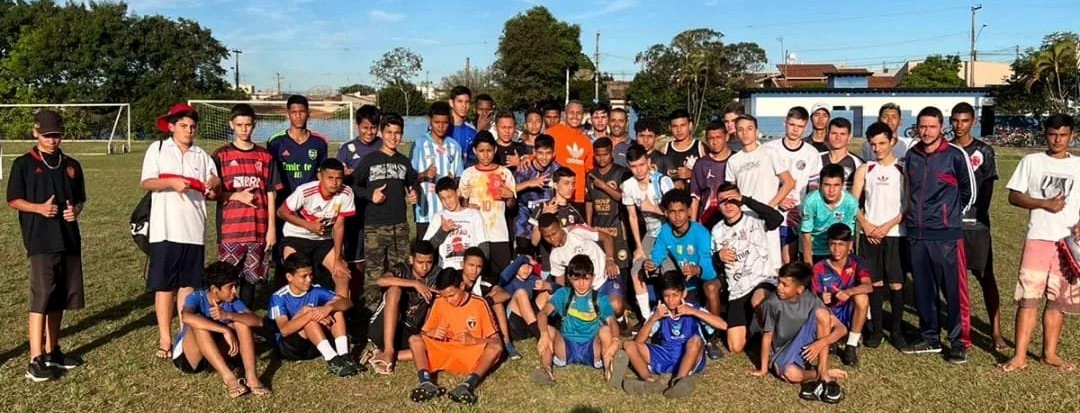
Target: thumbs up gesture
{"type": "Point", "coordinates": [47, 209]}
{"type": "Point", "coordinates": [377, 196]}
{"type": "Point", "coordinates": [411, 196]}
{"type": "Point", "coordinates": [70, 212]}
{"type": "Point", "coordinates": [245, 196]}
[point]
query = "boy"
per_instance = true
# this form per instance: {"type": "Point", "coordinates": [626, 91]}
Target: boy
{"type": "Point", "coordinates": [458, 228]}
{"type": "Point", "coordinates": [314, 218]}
{"type": "Point", "coordinates": [217, 328]}
{"type": "Point", "coordinates": [564, 182]}
{"type": "Point", "coordinates": [528, 294]}
{"type": "Point", "coordinates": [458, 337]}
{"type": "Point", "coordinates": [386, 181]}
{"type": "Point", "coordinates": [799, 330]}
{"type": "Point", "coordinates": [434, 157]}
{"type": "Point", "coordinates": [804, 164]}
{"type": "Point", "coordinates": [508, 152]}
{"type": "Point", "coordinates": [683, 151]}
{"type": "Point", "coordinates": [603, 207]}
{"type": "Point", "coordinates": [708, 175]}
{"type": "Point", "coordinates": [534, 189]}
{"type": "Point", "coordinates": [641, 195]}
{"type": "Point", "coordinates": [552, 114]}
{"type": "Point", "coordinates": [880, 186]}
{"type": "Point", "coordinates": [534, 127]}
{"type": "Point", "coordinates": [838, 153]}
{"type": "Point", "coordinates": [460, 129]}
{"type": "Point", "coordinates": [304, 313]}
{"type": "Point", "coordinates": [589, 334]}
{"type": "Point", "coordinates": [49, 190]}
{"type": "Point", "coordinates": [819, 125]}
{"type": "Point", "coordinates": [740, 241]}
{"type": "Point", "coordinates": [408, 289]}
{"type": "Point", "coordinates": [569, 242]}
{"type": "Point", "coordinates": [351, 154]}
{"type": "Point", "coordinates": [246, 215]}
{"type": "Point", "coordinates": [489, 188]}
{"type": "Point", "coordinates": [646, 132]}
{"type": "Point", "coordinates": [598, 119]}
{"type": "Point", "coordinates": [679, 346]}
{"type": "Point", "coordinates": [843, 284]}
{"type": "Point", "coordinates": [830, 204]}
{"type": "Point", "coordinates": [477, 282]}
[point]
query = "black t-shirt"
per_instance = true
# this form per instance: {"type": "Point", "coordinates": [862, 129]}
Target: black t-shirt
{"type": "Point", "coordinates": [820, 146]}
{"type": "Point", "coordinates": [514, 148]}
{"type": "Point", "coordinates": [675, 159]}
{"type": "Point", "coordinates": [607, 211]}
{"type": "Point", "coordinates": [396, 172]}
{"type": "Point", "coordinates": [35, 179]}
{"type": "Point", "coordinates": [984, 165]}
{"type": "Point", "coordinates": [850, 163]}
{"type": "Point", "coordinates": [414, 310]}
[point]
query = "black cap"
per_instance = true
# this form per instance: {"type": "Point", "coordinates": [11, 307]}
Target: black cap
{"type": "Point", "coordinates": [48, 122]}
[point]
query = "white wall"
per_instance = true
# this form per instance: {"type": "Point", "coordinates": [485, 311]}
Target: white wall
{"type": "Point", "coordinates": [762, 106]}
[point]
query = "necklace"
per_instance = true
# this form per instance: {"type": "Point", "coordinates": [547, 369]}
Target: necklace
{"type": "Point", "coordinates": [59, 161]}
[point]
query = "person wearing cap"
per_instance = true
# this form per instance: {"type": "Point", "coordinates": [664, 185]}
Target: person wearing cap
{"type": "Point", "coordinates": [48, 189]}
{"type": "Point", "coordinates": [890, 114]}
{"type": "Point", "coordinates": [819, 122]}
{"type": "Point", "coordinates": [181, 177]}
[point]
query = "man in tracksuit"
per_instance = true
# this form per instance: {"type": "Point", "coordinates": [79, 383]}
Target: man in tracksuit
{"type": "Point", "coordinates": [940, 188]}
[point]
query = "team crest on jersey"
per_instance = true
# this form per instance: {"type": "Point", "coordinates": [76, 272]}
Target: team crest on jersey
{"type": "Point", "coordinates": [800, 165]}
{"type": "Point", "coordinates": [679, 249]}
{"type": "Point", "coordinates": [258, 166]}
{"type": "Point", "coordinates": [471, 323]}
{"type": "Point", "coordinates": [676, 329]}
{"type": "Point", "coordinates": [352, 147]}
{"type": "Point", "coordinates": [622, 255]}
{"type": "Point", "coordinates": [690, 249]}
{"type": "Point", "coordinates": [311, 153]}
{"type": "Point", "coordinates": [838, 216]}
{"type": "Point", "coordinates": [976, 159]}
{"type": "Point", "coordinates": [70, 171]}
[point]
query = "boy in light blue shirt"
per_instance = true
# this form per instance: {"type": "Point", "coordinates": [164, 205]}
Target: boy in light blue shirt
{"type": "Point", "coordinates": [829, 205]}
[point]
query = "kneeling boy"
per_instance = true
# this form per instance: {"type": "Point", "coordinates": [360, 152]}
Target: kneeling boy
{"type": "Point", "coordinates": [843, 284]}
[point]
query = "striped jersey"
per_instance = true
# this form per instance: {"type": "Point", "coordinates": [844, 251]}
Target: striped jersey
{"type": "Point", "coordinates": [448, 160]}
{"type": "Point", "coordinates": [311, 204]}
{"type": "Point", "coordinates": [241, 169]}
{"type": "Point", "coordinates": [297, 163]}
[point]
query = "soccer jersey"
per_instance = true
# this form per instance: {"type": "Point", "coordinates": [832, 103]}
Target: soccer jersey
{"type": "Point", "coordinates": [502, 153]}
{"type": "Point", "coordinates": [676, 331]}
{"type": "Point", "coordinates": [1041, 176]}
{"type": "Point", "coordinates": [573, 150]}
{"type": "Point", "coordinates": [582, 319]}
{"type": "Point", "coordinates": [240, 169]}
{"type": "Point", "coordinates": [984, 166]}
{"type": "Point", "coordinates": [748, 238]}
{"type": "Point", "coordinates": [567, 214]}
{"type": "Point", "coordinates": [633, 194]}
{"type": "Point", "coordinates": [200, 303]}
{"type": "Point", "coordinates": [297, 163]}
{"type": "Point", "coordinates": [693, 247]}
{"type": "Point", "coordinates": [448, 160]}
{"type": "Point", "coordinates": [708, 176]}
{"type": "Point", "coordinates": [676, 159]}
{"type": "Point", "coordinates": [480, 187]}
{"type": "Point", "coordinates": [757, 173]}
{"type": "Point", "coordinates": [312, 205]}
{"type": "Point", "coordinates": [352, 152]}
{"type": "Point", "coordinates": [413, 308]}
{"type": "Point", "coordinates": [464, 134]}
{"type": "Point", "coordinates": [849, 162]}
{"type": "Point", "coordinates": [580, 240]}
{"type": "Point", "coordinates": [608, 212]}
{"type": "Point", "coordinates": [884, 194]}
{"type": "Point", "coordinates": [827, 280]}
{"type": "Point", "coordinates": [470, 232]}
{"type": "Point", "coordinates": [36, 177]}
{"type": "Point", "coordinates": [473, 319]}
{"type": "Point", "coordinates": [532, 199]}
{"type": "Point", "coordinates": [818, 216]}
{"type": "Point", "coordinates": [286, 304]}
{"type": "Point", "coordinates": [178, 217]}
{"type": "Point", "coordinates": [818, 146]}
{"type": "Point", "coordinates": [804, 164]}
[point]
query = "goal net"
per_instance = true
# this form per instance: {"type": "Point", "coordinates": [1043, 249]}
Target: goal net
{"type": "Point", "coordinates": [332, 119]}
{"type": "Point", "coordinates": [103, 127]}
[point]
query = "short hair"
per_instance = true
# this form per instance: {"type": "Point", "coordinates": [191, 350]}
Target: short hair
{"type": "Point", "coordinates": [421, 247]}
{"type": "Point", "coordinates": [962, 108]}
{"type": "Point", "coordinates": [483, 137]}
{"type": "Point", "coordinates": [392, 119]}
{"type": "Point", "coordinates": [580, 266]}
{"type": "Point", "coordinates": [439, 108]}
{"type": "Point", "coordinates": [635, 152]}
{"type": "Point", "coordinates": [841, 123]}
{"type": "Point", "coordinates": [798, 112]}
{"type": "Point", "coordinates": [715, 125]}
{"type": "Point", "coordinates": [533, 110]}
{"type": "Point", "coordinates": [678, 114]}
{"type": "Point", "coordinates": [1058, 121]}
{"type": "Point", "coordinates": [220, 274]}
{"type": "Point", "coordinates": [548, 219]}
{"type": "Point", "coordinates": [833, 170]}
{"type": "Point", "coordinates": [297, 100]}
{"type": "Point", "coordinates": [563, 172]}
{"type": "Point", "coordinates": [486, 98]}
{"type": "Point", "coordinates": [647, 124]}
{"type": "Point", "coordinates": [446, 183]}
{"type": "Point", "coordinates": [600, 107]}
{"type": "Point", "coordinates": [242, 109]}
{"type": "Point", "coordinates": [619, 110]}
{"type": "Point", "coordinates": [677, 195]}
{"type": "Point", "coordinates": [331, 164]}
{"type": "Point", "coordinates": [552, 105]}
{"type": "Point", "coordinates": [888, 106]}
{"type": "Point", "coordinates": [506, 115]}
{"type": "Point", "coordinates": [602, 143]}
{"type": "Point", "coordinates": [543, 141]}
{"type": "Point", "coordinates": [448, 277]}
{"type": "Point", "coordinates": [296, 262]}
{"type": "Point", "coordinates": [369, 113]}
{"type": "Point", "coordinates": [798, 271]}
{"type": "Point", "coordinates": [673, 280]}
{"type": "Point", "coordinates": [460, 90]}
{"type": "Point", "coordinates": [746, 117]}
{"type": "Point", "coordinates": [734, 107]}
{"type": "Point", "coordinates": [727, 186]}
{"type": "Point", "coordinates": [932, 112]}
{"type": "Point", "coordinates": [575, 102]}
{"type": "Point", "coordinates": [839, 232]}
{"type": "Point", "coordinates": [474, 252]}
{"type": "Point", "coordinates": [879, 128]}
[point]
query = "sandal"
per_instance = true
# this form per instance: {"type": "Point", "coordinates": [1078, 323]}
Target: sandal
{"type": "Point", "coordinates": [238, 390]}
{"type": "Point", "coordinates": [260, 390]}
{"type": "Point", "coordinates": [163, 353]}
{"type": "Point", "coordinates": [381, 366]}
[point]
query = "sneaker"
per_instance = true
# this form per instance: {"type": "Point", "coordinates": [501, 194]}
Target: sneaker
{"type": "Point", "coordinates": [873, 340]}
{"type": "Point", "coordinates": [426, 391]}
{"type": "Point", "coordinates": [511, 351]}
{"type": "Point", "coordinates": [359, 368]}
{"type": "Point", "coordinates": [38, 371]}
{"type": "Point", "coordinates": [714, 349]}
{"type": "Point", "coordinates": [921, 347]}
{"type": "Point", "coordinates": [812, 390]}
{"type": "Point", "coordinates": [898, 341]}
{"type": "Point", "coordinates": [58, 359]}
{"type": "Point", "coordinates": [956, 355]}
{"type": "Point", "coordinates": [340, 367]}
{"type": "Point", "coordinates": [850, 356]}
{"type": "Point", "coordinates": [832, 393]}
{"type": "Point", "coordinates": [462, 394]}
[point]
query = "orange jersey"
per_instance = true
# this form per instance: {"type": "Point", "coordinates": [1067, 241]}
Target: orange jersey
{"type": "Point", "coordinates": [573, 150]}
{"type": "Point", "coordinates": [471, 319]}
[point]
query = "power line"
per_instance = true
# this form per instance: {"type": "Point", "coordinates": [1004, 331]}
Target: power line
{"type": "Point", "coordinates": [844, 19]}
{"type": "Point", "coordinates": [878, 45]}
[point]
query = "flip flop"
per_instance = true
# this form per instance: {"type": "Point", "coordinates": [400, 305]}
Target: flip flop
{"type": "Point", "coordinates": [381, 366]}
{"type": "Point", "coordinates": [238, 390]}
{"type": "Point", "coordinates": [619, 366]}
{"type": "Point", "coordinates": [163, 353]}
{"type": "Point", "coordinates": [260, 390]}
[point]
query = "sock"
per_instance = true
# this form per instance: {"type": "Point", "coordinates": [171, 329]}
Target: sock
{"type": "Point", "coordinates": [877, 312]}
{"type": "Point", "coordinates": [425, 376]}
{"type": "Point", "coordinates": [896, 301]}
{"type": "Point", "coordinates": [471, 381]}
{"type": "Point", "coordinates": [326, 350]}
{"type": "Point", "coordinates": [342, 345]}
{"type": "Point", "coordinates": [853, 339]}
{"type": "Point", "coordinates": [643, 305]}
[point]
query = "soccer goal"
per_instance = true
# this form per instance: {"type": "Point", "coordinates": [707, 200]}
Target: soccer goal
{"type": "Point", "coordinates": [332, 119]}
{"type": "Point", "coordinates": [94, 127]}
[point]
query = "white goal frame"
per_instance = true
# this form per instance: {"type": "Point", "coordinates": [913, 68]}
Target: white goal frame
{"type": "Point", "coordinates": [346, 104]}
{"type": "Point", "coordinates": [125, 112]}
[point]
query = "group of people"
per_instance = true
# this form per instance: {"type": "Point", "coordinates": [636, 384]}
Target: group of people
{"type": "Point", "coordinates": [635, 258]}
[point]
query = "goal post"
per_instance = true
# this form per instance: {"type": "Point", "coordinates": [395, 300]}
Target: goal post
{"type": "Point", "coordinates": [108, 123]}
{"type": "Point", "coordinates": [334, 120]}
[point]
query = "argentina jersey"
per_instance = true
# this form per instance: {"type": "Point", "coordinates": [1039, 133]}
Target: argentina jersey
{"type": "Point", "coordinates": [448, 161]}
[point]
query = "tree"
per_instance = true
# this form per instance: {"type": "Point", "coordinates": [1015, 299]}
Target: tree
{"type": "Point", "coordinates": [535, 50]}
{"type": "Point", "coordinates": [935, 71]}
{"type": "Point", "coordinates": [357, 88]}
{"type": "Point", "coordinates": [395, 68]}
{"type": "Point", "coordinates": [479, 80]}
{"type": "Point", "coordinates": [392, 100]}
{"type": "Point", "coordinates": [1045, 79]}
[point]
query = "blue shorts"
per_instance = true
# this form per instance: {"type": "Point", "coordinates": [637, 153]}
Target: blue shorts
{"type": "Point", "coordinates": [579, 353]}
{"type": "Point", "coordinates": [844, 312]}
{"type": "Point", "coordinates": [788, 236]}
{"type": "Point", "coordinates": [791, 354]}
{"type": "Point", "coordinates": [666, 359]}
{"type": "Point", "coordinates": [612, 288]}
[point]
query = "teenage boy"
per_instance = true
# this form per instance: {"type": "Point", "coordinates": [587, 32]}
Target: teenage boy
{"type": "Point", "coordinates": [819, 122]}
{"type": "Point", "coordinates": [528, 294]}
{"type": "Point", "coordinates": [459, 228]}
{"type": "Point", "coordinates": [647, 131]}
{"type": "Point", "coordinates": [568, 242]}
{"type": "Point", "coordinates": [508, 152]}
{"type": "Point", "coordinates": [879, 185]}
{"type": "Point", "coordinates": [460, 129]}
{"type": "Point", "coordinates": [351, 154]}
{"type": "Point", "coordinates": [604, 209]}
{"type": "Point", "coordinates": [573, 149]}
{"type": "Point", "coordinates": [890, 115]}
{"type": "Point", "coordinates": [218, 329]}
{"type": "Point", "coordinates": [459, 337]}
{"type": "Point", "coordinates": [480, 282]}
{"type": "Point", "coordinates": [533, 127]}
{"type": "Point", "coordinates": [829, 205]}
{"type": "Point", "coordinates": [246, 215]}
{"type": "Point", "coordinates": [804, 164]}
{"type": "Point", "coordinates": [683, 151]}
{"type": "Point", "coordinates": [304, 314]}
{"type": "Point", "coordinates": [732, 111]}
{"type": "Point", "coordinates": [48, 189]}
{"type": "Point", "coordinates": [598, 118]}
{"type": "Point", "coordinates": [489, 188]}
{"type": "Point", "coordinates": [297, 151]}
{"type": "Point", "coordinates": [552, 115]}
{"type": "Point", "coordinates": [434, 157]}
{"type": "Point", "coordinates": [408, 289]}
{"type": "Point", "coordinates": [1045, 184]}
{"type": "Point", "coordinates": [619, 133]}
{"type": "Point", "coordinates": [709, 175]}
{"type": "Point", "coordinates": [534, 189]}
{"type": "Point", "coordinates": [315, 217]}
{"type": "Point", "coordinates": [941, 188]}
{"type": "Point", "coordinates": [485, 111]}
{"type": "Point", "coordinates": [978, 246]}
{"type": "Point", "coordinates": [642, 194]}
{"type": "Point", "coordinates": [564, 182]}
{"type": "Point", "coordinates": [843, 284]}
{"type": "Point", "coordinates": [799, 330]}
{"type": "Point", "coordinates": [386, 181]}
{"type": "Point", "coordinates": [838, 153]}
{"type": "Point", "coordinates": [181, 177]}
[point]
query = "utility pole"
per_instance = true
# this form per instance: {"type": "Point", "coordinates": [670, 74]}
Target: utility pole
{"type": "Point", "coordinates": [567, 99]}
{"type": "Point", "coordinates": [971, 59]}
{"type": "Point", "coordinates": [277, 78]}
{"type": "Point", "coordinates": [783, 57]}
{"type": "Point", "coordinates": [1017, 53]}
{"type": "Point", "coordinates": [596, 71]}
{"type": "Point", "coordinates": [236, 66]}
{"type": "Point", "coordinates": [468, 75]}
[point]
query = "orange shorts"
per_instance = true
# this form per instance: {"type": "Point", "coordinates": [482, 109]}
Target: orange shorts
{"type": "Point", "coordinates": [452, 357]}
{"type": "Point", "coordinates": [1041, 277]}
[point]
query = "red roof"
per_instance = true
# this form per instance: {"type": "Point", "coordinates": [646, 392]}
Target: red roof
{"type": "Point", "coordinates": [809, 70]}
{"type": "Point", "coordinates": [882, 82]}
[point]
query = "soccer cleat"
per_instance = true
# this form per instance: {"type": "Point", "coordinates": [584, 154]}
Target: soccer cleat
{"type": "Point", "coordinates": [462, 394]}
{"type": "Point", "coordinates": [38, 371]}
{"type": "Point", "coordinates": [873, 340]}
{"type": "Point", "coordinates": [850, 356]}
{"type": "Point", "coordinates": [426, 391]}
{"type": "Point", "coordinates": [511, 351]}
{"type": "Point", "coordinates": [832, 393]}
{"type": "Point", "coordinates": [619, 366]}
{"type": "Point", "coordinates": [922, 347]}
{"type": "Point", "coordinates": [58, 359]}
{"type": "Point", "coordinates": [681, 388]}
{"type": "Point", "coordinates": [340, 367]}
{"type": "Point", "coordinates": [956, 355]}
{"type": "Point", "coordinates": [714, 349]}
{"type": "Point", "coordinates": [812, 390]}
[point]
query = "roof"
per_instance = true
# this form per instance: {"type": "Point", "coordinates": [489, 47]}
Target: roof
{"type": "Point", "coordinates": [746, 93]}
{"type": "Point", "coordinates": [881, 82]}
{"type": "Point", "coordinates": [849, 71]}
{"type": "Point", "coordinates": [805, 70]}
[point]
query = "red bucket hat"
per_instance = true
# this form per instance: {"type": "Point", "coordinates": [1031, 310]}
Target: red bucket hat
{"type": "Point", "coordinates": [177, 109]}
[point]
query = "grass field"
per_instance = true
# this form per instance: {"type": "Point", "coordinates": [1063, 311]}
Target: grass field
{"type": "Point", "coordinates": [116, 336]}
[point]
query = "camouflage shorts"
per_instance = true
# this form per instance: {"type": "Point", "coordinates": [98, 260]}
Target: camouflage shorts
{"type": "Point", "coordinates": [384, 246]}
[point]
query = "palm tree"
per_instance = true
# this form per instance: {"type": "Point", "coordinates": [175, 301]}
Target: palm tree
{"type": "Point", "coordinates": [1047, 67]}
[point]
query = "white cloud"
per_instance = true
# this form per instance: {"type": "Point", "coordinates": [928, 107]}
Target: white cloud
{"type": "Point", "coordinates": [384, 16]}
{"type": "Point", "coordinates": [602, 9]}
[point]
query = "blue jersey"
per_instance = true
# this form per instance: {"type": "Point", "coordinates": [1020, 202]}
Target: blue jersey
{"type": "Point", "coordinates": [531, 199]}
{"type": "Point", "coordinates": [448, 160]}
{"type": "Point", "coordinates": [581, 321]}
{"type": "Point", "coordinates": [284, 304]}
{"type": "Point", "coordinates": [352, 152]}
{"type": "Point", "coordinates": [464, 134]}
{"type": "Point", "coordinates": [297, 163]}
{"type": "Point", "coordinates": [693, 247]}
{"type": "Point", "coordinates": [675, 332]}
{"type": "Point", "coordinates": [201, 304]}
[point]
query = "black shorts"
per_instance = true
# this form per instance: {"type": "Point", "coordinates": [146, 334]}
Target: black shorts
{"type": "Point", "coordinates": [174, 265]}
{"type": "Point", "coordinates": [184, 366]}
{"type": "Point", "coordinates": [519, 330]}
{"type": "Point", "coordinates": [885, 260]}
{"type": "Point", "coordinates": [401, 334]}
{"type": "Point", "coordinates": [316, 250]}
{"type": "Point", "coordinates": [353, 247]}
{"type": "Point", "coordinates": [181, 362]}
{"type": "Point", "coordinates": [979, 250]}
{"type": "Point", "coordinates": [294, 347]}
{"type": "Point", "coordinates": [56, 283]}
{"type": "Point", "coordinates": [740, 311]}
{"type": "Point", "coordinates": [500, 256]}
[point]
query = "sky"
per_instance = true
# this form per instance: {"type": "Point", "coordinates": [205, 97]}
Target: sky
{"type": "Point", "coordinates": [332, 43]}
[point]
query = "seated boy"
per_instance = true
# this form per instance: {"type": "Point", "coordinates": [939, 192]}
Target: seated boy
{"type": "Point", "coordinates": [458, 337]}
{"type": "Point", "coordinates": [305, 313]}
{"type": "Point", "coordinates": [473, 272]}
{"type": "Point", "coordinates": [216, 328]}
{"type": "Point", "coordinates": [599, 247]}
{"type": "Point", "coordinates": [843, 284]}
{"type": "Point", "coordinates": [455, 228]}
{"type": "Point", "coordinates": [407, 295]}
{"type": "Point", "coordinates": [589, 334]}
{"type": "Point", "coordinates": [678, 350]}
{"type": "Point", "coordinates": [528, 294]}
{"type": "Point", "coordinates": [799, 329]}
{"type": "Point", "coordinates": [830, 204]}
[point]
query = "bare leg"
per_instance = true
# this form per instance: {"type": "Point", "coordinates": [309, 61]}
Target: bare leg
{"type": "Point", "coordinates": [638, 353]}
{"type": "Point", "coordinates": [419, 352]}
{"type": "Point", "coordinates": [736, 339]}
{"type": "Point", "coordinates": [695, 350]}
{"type": "Point", "coordinates": [163, 309]}
{"type": "Point", "coordinates": [712, 296]}
{"type": "Point", "coordinates": [213, 355]}
{"type": "Point", "coordinates": [1025, 326]}
{"type": "Point", "coordinates": [608, 347]}
{"type": "Point", "coordinates": [862, 306]}
{"type": "Point", "coordinates": [181, 295]}
{"type": "Point", "coordinates": [391, 306]}
{"type": "Point", "coordinates": [246, 341]}
{"type": "Point", "coordinates": [992, 298]}
{"type": "Point", "coordinates": [36, 334]}
{"type": "Point", "coordinates": [1053, 322]}
{"type": "Point", "coordinates": [492, 353]}
{"type": "Point", "coordinates": [52, 330]}
{"type": "Point", "coordinates": [824, 326]}
{"type": "Point", "coordinates": [338, 327]}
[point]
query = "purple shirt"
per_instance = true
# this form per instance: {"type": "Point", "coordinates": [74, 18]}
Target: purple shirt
{"type": "Point", "coordinates": [707, 176]}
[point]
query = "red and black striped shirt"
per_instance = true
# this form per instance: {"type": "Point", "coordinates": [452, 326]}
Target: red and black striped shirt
{"type": "Point", "coordinates": [240, 169]}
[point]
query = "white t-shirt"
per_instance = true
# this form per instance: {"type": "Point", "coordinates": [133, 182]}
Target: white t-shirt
{"type": "Point", "coordinates": [634, 195]}
{"type": "Point", "coordinates": [752, 264]}
{"type": "Point", "coordinates": [309, 203]}
{"type": "Point", "coordinates": [757, 173]}
{"type": "Point", "coordinates": [804, 164]}
{"type": "Point", "coordinates": [175, 216]}
{"type": "Point", "coordinates": [481, 188]}
{"type": "Point", "coordinates": [1041, 176]}
{"type": "Point", "coordinates": [883, 195]}
{"type": "Point", "coordinates": [580, 240]}
{"type": "Point", "coordinates": [470, 232]}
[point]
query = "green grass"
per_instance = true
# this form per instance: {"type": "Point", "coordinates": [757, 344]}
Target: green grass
{"type": "Point", "coordinates": [116, 336]}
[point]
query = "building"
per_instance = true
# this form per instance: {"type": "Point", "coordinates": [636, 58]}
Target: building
{"type": "Point", "coordinates": [813, 76]}
{"type": "Point", "coordinates": [986, 73]}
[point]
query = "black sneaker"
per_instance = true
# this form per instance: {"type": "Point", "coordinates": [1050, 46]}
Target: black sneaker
{"type": "Point", "coordinates": [57, 359]}
{"type": "Point", "coordinates": [956, 355]}
{"type": "Point", "coordinates": [898, 341]}
{"type": "Point", "coordinates": [713, 349]}
{"type": "Point", "coordinates": [812, 390]}
{"type": "Point", "coordinates": [850, 356]}
{"type": "Point", "coordinates": [873, 340]}
{"type": "Point", "coordinates": [38, 371]}
{"type": "Point", "coordinates": [359, 368]}
{"type": "Point", "coordinates": [832, 393]}
{"type": "Point", "coordinates": [340, 367]}
{"type": "Point", "coordinates": [922, 347]}
{"type": "Point", "coordinates": [426, 391]}
{"type": "Point", "coordinates": [462, 394]}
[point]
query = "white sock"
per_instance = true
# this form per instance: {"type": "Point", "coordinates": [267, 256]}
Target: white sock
{"type": "Point", "coordinates": [342, 345]}
{"type": "Point", "coordinates": [643, 304]}
{"type": "Point", "coordinates": [326, 350]}
{"type": "Point", "coordinates": [853, 339]}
